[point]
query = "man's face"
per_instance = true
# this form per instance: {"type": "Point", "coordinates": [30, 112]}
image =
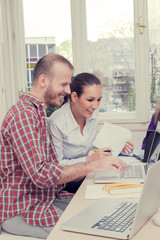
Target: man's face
{"type": "Point", "coordinates": [58, 87]}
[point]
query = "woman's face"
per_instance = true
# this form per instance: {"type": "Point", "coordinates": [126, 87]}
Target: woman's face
{"type": "Point", "coordinates": [89, 101]}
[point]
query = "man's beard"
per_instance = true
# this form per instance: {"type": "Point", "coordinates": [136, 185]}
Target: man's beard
{"type": "Point", "coordinates": [50, 98]}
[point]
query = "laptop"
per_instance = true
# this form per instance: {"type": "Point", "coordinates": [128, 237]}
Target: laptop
{"type": "Point", "coordinates": [118, 218]}
{"type": "Point", "coordinates": [152, 141]}
{"type": "Point", "coordinates": [134, 172]}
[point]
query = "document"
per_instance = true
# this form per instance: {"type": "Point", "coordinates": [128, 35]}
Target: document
{"type": "Point", "coordinates": [112, 136]}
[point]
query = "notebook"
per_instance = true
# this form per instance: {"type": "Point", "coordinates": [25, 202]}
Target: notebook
{"type": "Point", "coordinates": [134, 172]}
{"type": "Point", "coordinates": [92, 219]}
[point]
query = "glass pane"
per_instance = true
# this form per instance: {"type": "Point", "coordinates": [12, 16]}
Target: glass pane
{"type": "Point", "coordinates": [33, 51]}
{"type": "Point", "coordinates": [51, 48]}
{"type": "Point", "coordinates": [42, 50]}
{"type": "Point", "coordinates": [111, 51]}
{"type": "Point", "coordinates": [47, 29]}
{"type": "Point", "coordinates": [26, 51]}
{"type": "Point", "coordinates": [154, 49]}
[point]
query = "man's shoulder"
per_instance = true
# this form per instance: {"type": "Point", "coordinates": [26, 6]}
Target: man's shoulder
{"type": "Point", "coordinates": [19, 109]}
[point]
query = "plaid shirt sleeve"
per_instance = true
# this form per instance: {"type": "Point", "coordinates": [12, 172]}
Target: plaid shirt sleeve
{"type": "Point", "coordinates": [32, 149]}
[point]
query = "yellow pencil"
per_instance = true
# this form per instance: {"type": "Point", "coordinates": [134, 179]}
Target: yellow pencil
{"type": "Point", "coordinates": [94, 149]}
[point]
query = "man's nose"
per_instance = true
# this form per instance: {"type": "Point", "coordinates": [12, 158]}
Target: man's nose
{"type": "Point", "coordinates": [67, 90]}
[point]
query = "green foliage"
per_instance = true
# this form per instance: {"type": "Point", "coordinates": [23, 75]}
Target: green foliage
{"type": "Point", "coordinates": [65, 49]}
{"type": "Point", "coordinates": [131, 99]}
{"type": "Point", "coordinates": [153, 96]}
{"type": "Point", "coordinates": [50, 110]}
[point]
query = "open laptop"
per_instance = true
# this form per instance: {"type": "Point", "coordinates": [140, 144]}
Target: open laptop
{"type": "Point", "coordinates": [118, 218]}
{"type": "Point", "coordinates": [152, 141]}
{"type": "Point", "coordinates": [134, 172]}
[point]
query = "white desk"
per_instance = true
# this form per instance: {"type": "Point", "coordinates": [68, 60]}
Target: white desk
{"type": "Point", "coordinates": [148, 232]}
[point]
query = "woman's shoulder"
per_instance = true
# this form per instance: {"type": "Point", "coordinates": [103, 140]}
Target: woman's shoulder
{"type": "Point", "coordinates": [58, 116]}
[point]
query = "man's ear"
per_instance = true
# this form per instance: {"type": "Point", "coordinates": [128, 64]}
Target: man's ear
{"type": "Point", "coordinates": [43, 80]}
{"type": "Point", "coordinates": [74, 97]}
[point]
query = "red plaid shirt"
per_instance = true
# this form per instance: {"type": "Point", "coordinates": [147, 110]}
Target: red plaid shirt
{"type": "Point", "coordinates": [29, 169]}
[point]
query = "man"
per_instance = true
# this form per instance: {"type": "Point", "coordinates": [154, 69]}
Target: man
{"type": "Point", "coordinates": [32, 180]}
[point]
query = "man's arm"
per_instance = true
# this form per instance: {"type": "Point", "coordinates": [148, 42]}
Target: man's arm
{"type": "Point", "coordinates": [80, 170]}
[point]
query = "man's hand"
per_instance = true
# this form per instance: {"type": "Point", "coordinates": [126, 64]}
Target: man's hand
{"type": "Point", "coordinates": [79, 170]}
{"type": "Point", "coordinates": [107, 163]}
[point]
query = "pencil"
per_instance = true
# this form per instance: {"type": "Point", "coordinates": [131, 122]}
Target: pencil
{"type": "Point", "coordinates": [96, 149]}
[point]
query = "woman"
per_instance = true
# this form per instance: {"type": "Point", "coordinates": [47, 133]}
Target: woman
{"type": "Point", "coordinates": [74, 125]}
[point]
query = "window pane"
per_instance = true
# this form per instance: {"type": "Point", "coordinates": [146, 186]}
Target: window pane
{"type": "Point", "coordinates": [42, 50]}
{"type": "Point", "coordinates": [26, 51]}
{"type": "Point", "coordinates": [47, 28]}
{"type": "Point", "coordinates": [51, 48]}
{"type": "Point", "coordinates": [154, 49]}
{"type": "Point", "coordinates": [111, 51]}
{"type": "Point", "coordinates": [33, 51]}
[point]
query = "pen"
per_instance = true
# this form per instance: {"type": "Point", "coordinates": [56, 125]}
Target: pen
{"type": "Point", "coordinates": [96, 149]}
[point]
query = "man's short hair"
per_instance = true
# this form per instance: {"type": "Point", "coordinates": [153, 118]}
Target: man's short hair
{"type": "Point", "coordinates": [46, 65]}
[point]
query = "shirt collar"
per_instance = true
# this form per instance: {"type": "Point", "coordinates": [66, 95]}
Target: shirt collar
{"type": "Point", "coordinates": [70, 120]}
{"type": "Point", "coordinates": [35, 100]}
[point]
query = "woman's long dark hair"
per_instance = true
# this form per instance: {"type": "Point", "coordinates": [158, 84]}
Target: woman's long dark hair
{"type": "Point", "coordinates": [79, 82]}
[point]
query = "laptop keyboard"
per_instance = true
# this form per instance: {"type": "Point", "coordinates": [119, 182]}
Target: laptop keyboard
{"type": "Point", "coordinates": [132, 171]}
{"type": "Point", "coordinates": [120, 220]}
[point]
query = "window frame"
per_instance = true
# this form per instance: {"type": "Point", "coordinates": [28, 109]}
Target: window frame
{"type": "Point", "coordinates": [142, 80]}
{"type": "Point", "coordinates": [13, 39]}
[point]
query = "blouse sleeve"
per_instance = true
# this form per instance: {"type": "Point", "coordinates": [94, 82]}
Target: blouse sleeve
{"type": "Point", "coordinates": [58, 137]}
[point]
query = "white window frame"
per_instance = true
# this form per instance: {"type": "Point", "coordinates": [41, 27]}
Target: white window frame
{"type": "Point", "coordinates": [12, 57]}
{"type": "Point", "coordinates": [79, 43]}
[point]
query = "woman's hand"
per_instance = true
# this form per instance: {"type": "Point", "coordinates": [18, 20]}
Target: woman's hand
{"type": "Point", "coordinates": [99, 153]}
{"type": "Point", "coordinates": [128, 148]}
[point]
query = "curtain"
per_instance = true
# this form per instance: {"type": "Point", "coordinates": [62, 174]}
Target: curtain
{"type": "Point", "coordinates": [12, 54]}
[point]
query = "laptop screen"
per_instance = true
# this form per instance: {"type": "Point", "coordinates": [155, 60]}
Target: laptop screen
{"type": "Point", "coordinates": [152, 141]}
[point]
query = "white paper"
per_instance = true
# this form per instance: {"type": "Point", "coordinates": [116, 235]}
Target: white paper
{"type": "Point", "coordinates": [112, 136]}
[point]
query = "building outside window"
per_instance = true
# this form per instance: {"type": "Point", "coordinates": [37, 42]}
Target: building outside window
{"type": "Point", "coordinates": [120, 45]}
{"type": "Point", "coordinates": [37, 47]}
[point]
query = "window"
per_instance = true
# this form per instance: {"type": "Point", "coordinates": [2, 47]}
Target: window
{"type": "Point", "coordinates": [111, 53]}
{"type": "Point", "coordinates": [41, 50]}
{"type": "Point", "coordinates": [110, 42]}
{"type": "Point", "coordinates": [113, 48]}
{"type": "Point", "coordinates": [154, 49]}
{"type": "Point", "coordinates": [47, 30]}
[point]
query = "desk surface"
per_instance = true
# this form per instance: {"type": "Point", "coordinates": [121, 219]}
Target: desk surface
{"type": "Point", "coordinates": [78, 203]}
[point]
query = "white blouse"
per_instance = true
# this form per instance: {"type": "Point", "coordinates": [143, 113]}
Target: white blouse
{"type": "Point", "coordinates": [71, 146]}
